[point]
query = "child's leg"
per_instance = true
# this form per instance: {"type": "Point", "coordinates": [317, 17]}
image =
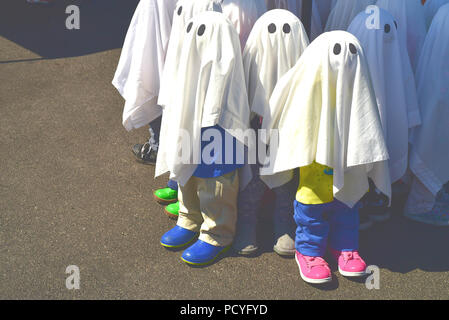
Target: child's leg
{"type": "Point", "coordinates": [284, 224]}
{"type": "Point", "coordinates": [312, 229]}
{"type": "Point", "coordinates": [218, 203]}
{"type": "Point", "coordinates": [344, 227]}
{"type": "Point", "coordinates": [249, 199]}
{"type": "Point", "coordinates": [190, 217]}
{"type": "Point", "coordinates": [344, 239]}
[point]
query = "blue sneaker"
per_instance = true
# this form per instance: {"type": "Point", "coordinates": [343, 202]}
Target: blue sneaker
{"type": "Point", "coordinates": [202, 253]}
{"type": "Point", "coordinates": [178, 237]}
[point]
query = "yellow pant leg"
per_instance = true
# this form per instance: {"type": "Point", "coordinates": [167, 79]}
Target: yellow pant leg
{"type": "Point", "coordinates": [190, 217]}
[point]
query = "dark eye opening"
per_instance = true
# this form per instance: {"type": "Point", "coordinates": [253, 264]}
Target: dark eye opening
{"type": "Point", "coordinates": [189, 27]}
{"type": "Point", "coordinates": [272, 28]}
{"type": "Point", "coordinates": [201, 29]}
{"type": "Point", "coordinates": [396, 24]}
{"type": "Point", "coordinates": [286, 28]}
{"type": "Point", "coordinates": [337, 49]}
{"type": "Point", "coordinates": [352, 48]}
{"type": "Point", "coordinates": [179, 11]}
{"type": "Point", "coordinates": [387, 28]}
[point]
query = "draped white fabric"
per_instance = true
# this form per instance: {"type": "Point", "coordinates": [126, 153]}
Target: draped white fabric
{"type": "Point", "coordinates": [394, 85]}
{"type": "Point", "coordinates": [141, 63]}
{"type": "Point", "coordinates": [431, 8]}
{"type": "Point", "coordinates": [207, 90]}
{"type": "Point", "coordinates": [410, 17]}
{"type": "Point", "coordinates": [344, 12]}
{"type": "Point", "coordinates": [430, 144]}
{"type": "Point", "coordinates": [243, 14]}
{"type": "Point", "coordinates": [325, 111]}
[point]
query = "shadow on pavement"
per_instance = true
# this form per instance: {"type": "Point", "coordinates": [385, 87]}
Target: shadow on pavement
{"type": "Point", "coordinates": [42, 29]}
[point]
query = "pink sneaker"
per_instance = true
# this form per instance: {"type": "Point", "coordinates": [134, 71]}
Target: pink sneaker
{"type": "Point", "coordinates": [313, 269]}
{"type": "Point", "coordinates": [350, 264]}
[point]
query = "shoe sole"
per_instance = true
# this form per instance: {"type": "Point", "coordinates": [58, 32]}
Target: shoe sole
{"type": "Point", "coordinates": [171, 215]}
{"type": "Point", "coordinates": [352, 274]}
{"type": "Point", "coordinates": [208, 262]}
{"type": "Point", "coordinates": [178, 246]}
{"type": "Point", "coordinates": [164, 202]}
{"type": "Point", "coordinates": [284, 253]}
{"type": "Point", "coordinates": [247, 252]}
{"type": "Point", "coordinates": [309, 280]}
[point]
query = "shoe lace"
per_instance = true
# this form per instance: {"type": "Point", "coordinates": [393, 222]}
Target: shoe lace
{"type": "Point", "coordinates": [314, 261]}
{"type": "Point", "coordinates": [350, 255]}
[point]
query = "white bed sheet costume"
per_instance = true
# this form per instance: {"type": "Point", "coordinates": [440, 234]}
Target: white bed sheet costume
{"type": "Point", "coordinates": [411, 20]}
{"type": "Point", "coordinates": [325, 111]}
{"type": "Point", "coordinates": [274, 46]}
{"type": "Point", "coordinates": [204, 90]}
{"type": "Point", "coordinates": [431, 8]}
{"type": "Point", "coordinates": [430, 144]}
{"type": "Point", "coordinates": [344, 12]}
{"type": "Point", "coordinates": [141, 63]}
{"type": "Point", "coordinates": [394, 85]}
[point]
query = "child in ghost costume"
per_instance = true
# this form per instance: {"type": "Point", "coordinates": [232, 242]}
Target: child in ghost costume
{"type": "Point", "coordinates": [428, 201]}
{"type": "Point", "coordinates": [431, 7]}
{"type": "Point", "coordinates": [295, 6]}
{"type": "Point", "coordinates": [184, 11]}
{"type": "Point", "coordinates": [243, 14]}
{"type": "Point", "coordinates": [139, 71]}
{"type": "Point", "coordinates": [328, 124]}
{"type": "Point", "coordinates": [410, 16]}
{"type": "Point", "coordinates": [344, 12]}
{"type": "Point", "coordinates": [275, 44]}
{"type": "Point", "coordinates": [394, 85]}
{"type": "Point", "coordinates": [209, 98]}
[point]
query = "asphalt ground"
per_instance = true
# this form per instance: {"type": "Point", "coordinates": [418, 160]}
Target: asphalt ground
{"type": "Point", "coordinates": [71, 192]}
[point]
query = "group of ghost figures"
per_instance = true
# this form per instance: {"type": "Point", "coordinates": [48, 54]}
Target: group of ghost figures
{"type": "Point", "coordinates": [361, 111]}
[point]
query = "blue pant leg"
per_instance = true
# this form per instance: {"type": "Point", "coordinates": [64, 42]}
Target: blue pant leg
{"type": "Point", "coordinates": [312, 229]}
{"type": "Point", "coordinates": [344, 227]}
{"type": "Point", "coordinates": [172, 184]}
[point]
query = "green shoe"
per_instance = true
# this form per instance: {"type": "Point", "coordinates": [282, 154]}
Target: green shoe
{"type": "Point", "coordinates": [172, 210]}
{"type": "Point", "coordinates": [166, 196]}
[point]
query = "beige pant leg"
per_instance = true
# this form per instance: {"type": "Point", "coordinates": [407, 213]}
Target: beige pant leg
{"type": "Point", "coordinates": [218, 202]}
{"type": "Point", "coordinates": [190, 217]}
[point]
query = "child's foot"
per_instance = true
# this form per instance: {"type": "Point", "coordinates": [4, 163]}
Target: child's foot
{"type": "Point", "coordinates": [145, 153]}
{"type": "Point", "coordinates": [313, 269]}
{"type": "Point", "coordinates": [284, 237]}
{"type": "Point", "coordinates": [245, 242]}
{"type": "Point", "coordinates": [350, 264]}
{"type": "Point", "coordinates": [202, 253]}
{"type": "Point", "coordinates": [166, 196]}
{"type": "Point", "coordinates": [172, 210]}
{"type": "Point", "coordinates": [178, 237]}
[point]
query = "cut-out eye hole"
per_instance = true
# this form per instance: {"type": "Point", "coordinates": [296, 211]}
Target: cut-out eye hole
{"type": "Point", "coordinates": [201, 29]}
{"type": "Point", "coordinates": [352, 48]}
{"type": "Point", "coordinates": [272, 28]}
{"type": "Point", "coordinates": [387, 28]}
{"type": "Point", "coordinates": [396, 24]}
{"type": "Point", "coordinates": [179, 10]}
{"type": "Point", "coordinates": [337, 49]}
{"type": "Point", "coordinates": [286, 28]}
{"type": "Point", "coordinates": [189, 27]}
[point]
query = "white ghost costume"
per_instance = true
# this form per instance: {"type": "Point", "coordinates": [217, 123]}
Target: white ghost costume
{"type": "Point", "coordinates": [411, 24]}
{"type": "Point", "coordinates": [430, 144]}
{"type": "Point", "coordinates": [207, 89]}
{"type": "Point", "coordinates": [295, 6]}
{"type": "Point", "coordinates": [344, 12]}
{"type": "Point", "coordinates": [274, 46]}
{"type": "Point", "coordinates": [243, 14]}
{"type": "Point", "coordinates": [325, 112]}
{"type": "Point", "coordinates": [394, 85]}
{"type": "Point", "coordinates": [431, 8]}
{"type": "Point", "coordinates": [141, 63]}
{"type": "Point", "coordinates": [325, 7]}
